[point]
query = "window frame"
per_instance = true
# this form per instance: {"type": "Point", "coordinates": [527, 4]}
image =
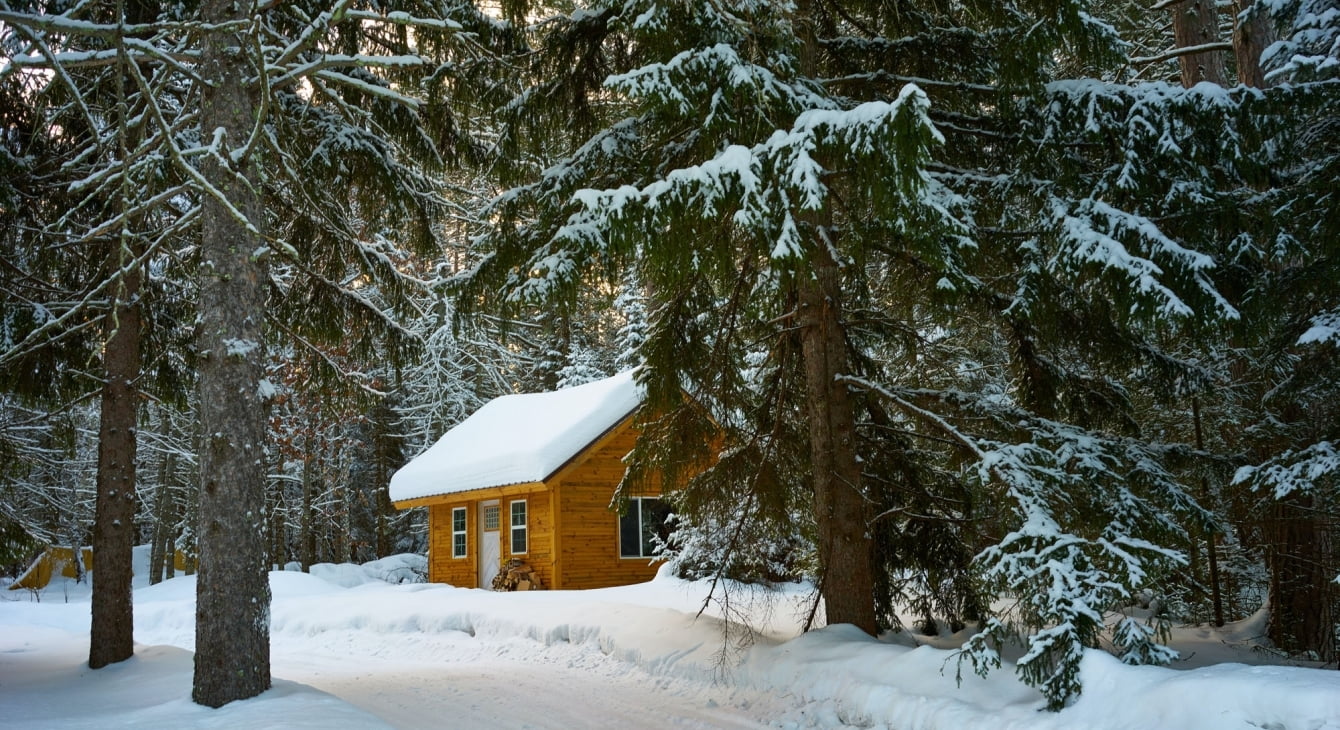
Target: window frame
{"type": "Point", "coordinates": [463, 533]}
{"type": "Point", "coordinates": [635, 503]}
{"type": "Point", "coordinates": [522, 528]}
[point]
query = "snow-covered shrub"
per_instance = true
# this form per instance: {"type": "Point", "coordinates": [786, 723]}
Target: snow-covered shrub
{"type": "Point", "coordinates": [736, 548]}
{"type": "Point", "coordinates": [1090, 518]}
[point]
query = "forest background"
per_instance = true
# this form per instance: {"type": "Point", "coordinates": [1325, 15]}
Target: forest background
{"type": "Point", "coordinates": [1033, 298]}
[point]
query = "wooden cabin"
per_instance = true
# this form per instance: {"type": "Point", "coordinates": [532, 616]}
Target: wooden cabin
{"type": "Point", "coordinates": [531, 477]}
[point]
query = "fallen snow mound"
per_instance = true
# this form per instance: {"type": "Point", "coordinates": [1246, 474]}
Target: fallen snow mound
{"type": "Point", "coordinates": [400, 650]}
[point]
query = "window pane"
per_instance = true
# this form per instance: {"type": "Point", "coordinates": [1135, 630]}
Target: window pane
{"type": "Point", "coordinates": [519, 527]}
{"type": "Point", "coordinates": [491, 517]}
{"type": "Point", "coordinates": [654, 512]}
{"type": "Point", "coordinates": [458, 532]}
{"type": "Point", "coordinates": [630, 532]}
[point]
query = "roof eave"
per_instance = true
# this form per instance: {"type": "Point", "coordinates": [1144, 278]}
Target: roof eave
{"type": "Point", "coordinates": [469, 495]}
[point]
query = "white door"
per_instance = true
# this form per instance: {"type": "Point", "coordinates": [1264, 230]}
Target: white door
{"type": "Point", "coordinates": [490, 543]}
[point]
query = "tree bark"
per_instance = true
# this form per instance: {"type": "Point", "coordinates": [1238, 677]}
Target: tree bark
{"type": "Point", "coordinates": [1302, 601]}
{"type": "Point", "coordinates": [232, 645]}
{"type": "Point", "coordinates": [112, 627]}
{"type": "Point", "coordinates": [840, 506]}
{"type": "Point", "coordinates": [1195, 23]}
{"type": "Point", "coordinates": [841, 510]}
{"type": "Point", "coordinates": [1252, 33]}
{"type": "Point", "coordinates": [159, 555]}
{"type": "Point", "coordinates": [306, 534]}
{"type": "Point", "coordinates": [1212, 538]}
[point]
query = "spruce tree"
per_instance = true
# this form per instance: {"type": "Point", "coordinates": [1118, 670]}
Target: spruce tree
{"type": "Point", "coordinates": [839, 209]}
{"type": "Point", "coordinates": [364, 117]}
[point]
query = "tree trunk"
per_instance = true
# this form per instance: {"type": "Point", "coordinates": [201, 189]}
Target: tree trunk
{"type": "Point", "coordinates": [159, 555]}
{"type": "Point", "coordinates": [841, 510]}
{"type": "Point", "coordinates": [383, 507]}
{"type": "Point", "coordinates": [232, 645]}
{"type": "Point", "coordinates": [1252, 33]}
{"type": "Point", "coordinates": [1195, 23]}
{"type": "Point", "coordinates": [307, 536]}
{"type": "Point", "coordinates": [840, 506]}
{"type": "Point", "coordinates": [1302, 601]}
{"type": "Point", "coordinates": [1212, 538]}
{"type": "Point", "coordinates": [112, 628]}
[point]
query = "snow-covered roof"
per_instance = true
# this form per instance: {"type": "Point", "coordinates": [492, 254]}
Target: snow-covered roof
{"type": "Point", "coordinates": [518, 438]}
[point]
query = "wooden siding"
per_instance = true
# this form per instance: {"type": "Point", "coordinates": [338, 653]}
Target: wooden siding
{"type": "Point", "coordinates": [589, 531]}
{"type": "Point", "coordinates": [539, 553]}
{"type": "Point", "coordinates": [442, 568]}
{"type": "Point", "coordinates": [464, 572]}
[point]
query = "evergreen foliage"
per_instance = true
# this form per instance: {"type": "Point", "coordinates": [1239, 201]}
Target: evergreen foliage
{"type": "Point", "coordinates": [1059, 327]}
{"type": "Point", "coordinates": [982, 216]}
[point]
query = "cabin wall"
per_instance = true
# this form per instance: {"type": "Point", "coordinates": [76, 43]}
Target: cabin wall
{"type": "Point", "coordinates": [464, 572]}
{"type": "Point", "coordinates": [442, 568]}
{"type": "Point", "coordinates": [539, 553]}
{"type": "Point", "coordinates": [588, 529]}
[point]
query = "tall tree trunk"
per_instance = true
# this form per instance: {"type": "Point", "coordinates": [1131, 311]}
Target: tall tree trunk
{"type": "Point", "coordinates": [841, 510]}
{"type": "Point", "coordinates": [1302, 601]}
{"type": "Point", "coordinates": [1211, 539]}
{"type": "Point", "coordinates": [232, 644]}
{"type": "Point", "coordinates": [112, 628]}
{"type": "Point", "coordinates": [1252, 33]}
{"type": "Point", "coordinates": [170, 538]}
{"type": "Point", "coordinates": [159, 554]}
{"type": "Point", "coordinates": [840, 506]}
{"type": "Point", "coordinates": [1196, 23]}
{"type": "Point", "coordinates": [382, 505]}
{"type": "Point", "coordinates": [306, 535]}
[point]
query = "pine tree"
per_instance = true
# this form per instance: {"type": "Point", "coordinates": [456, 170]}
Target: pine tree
{"type": "Point", "coordinates": [1286, 359]}
{"type": "Point", "coordinates": [827, 244]}
{"type": "Point", "coordinates": [355, 61]}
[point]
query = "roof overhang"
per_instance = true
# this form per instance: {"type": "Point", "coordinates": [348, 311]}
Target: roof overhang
{"type": "Point", "coordinates": [474, 495]}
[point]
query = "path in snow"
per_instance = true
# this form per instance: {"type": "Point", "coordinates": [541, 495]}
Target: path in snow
{"type": "Point", "coordinates": [510, 694]}
{"type": "Point", "coordinates": [515, 683]}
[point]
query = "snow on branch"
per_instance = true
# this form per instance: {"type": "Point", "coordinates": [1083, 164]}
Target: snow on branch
{"type": "Point", "coordinates": [369, 88]}
{"type": "Point", "coordinates": [1294, 470]}
{"type": "Point", "coordinates": [1325, 327]}
{"type": "Point", "coordinates": [1091, 232]}
{"type": "Point", "coordinates": [1088, 520]}
{"type": "Point", "coordinates": [678, 82]}
{"type": "Point", "coordinates": [760, 189]}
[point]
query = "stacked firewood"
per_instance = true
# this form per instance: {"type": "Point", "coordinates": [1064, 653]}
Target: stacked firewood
{"type": "Point", "coordinates": [517, 576]}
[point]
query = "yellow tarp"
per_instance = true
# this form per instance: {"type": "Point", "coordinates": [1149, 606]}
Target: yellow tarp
{"type": "Point", "coordinates": [52, 560]}
{"type": "Point", "coordinates": [60, 560]}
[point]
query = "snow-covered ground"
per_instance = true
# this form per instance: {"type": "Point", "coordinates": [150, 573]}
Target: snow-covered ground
{"type": "Point", "coordinates": [351, 650]}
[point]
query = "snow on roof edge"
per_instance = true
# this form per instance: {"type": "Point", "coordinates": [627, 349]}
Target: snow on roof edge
{"type": "Point", "coordinates": [518, 439]}
{"type": "Point", "coordinates": [545, 478]}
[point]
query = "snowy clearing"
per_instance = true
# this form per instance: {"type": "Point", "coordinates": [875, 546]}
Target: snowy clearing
{"type": "Point", "coordinates": [350, 650]}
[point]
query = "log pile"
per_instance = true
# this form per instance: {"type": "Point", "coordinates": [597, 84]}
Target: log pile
{"type": "Point", "coordinates": [516, 575]}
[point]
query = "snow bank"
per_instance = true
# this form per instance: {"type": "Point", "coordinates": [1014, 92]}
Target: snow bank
{"type": "Point", "coordinates": [835, 675]}
{"type": "Point", "coordinates": [404, 568]}
{"type": "Point", "coordinates": [394, 648]}
{"type": "Point", "coordinates": [47, 683]}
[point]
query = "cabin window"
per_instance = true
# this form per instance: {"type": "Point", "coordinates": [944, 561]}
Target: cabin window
{"type": "Point", "coordinates": [458, 532]}
{"type": "Point", "coordinates": [641, 526]}
{"type": "Point", "coordinates": [519, 526]}
{"type": "Point", "coordinates": [491, 517]}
